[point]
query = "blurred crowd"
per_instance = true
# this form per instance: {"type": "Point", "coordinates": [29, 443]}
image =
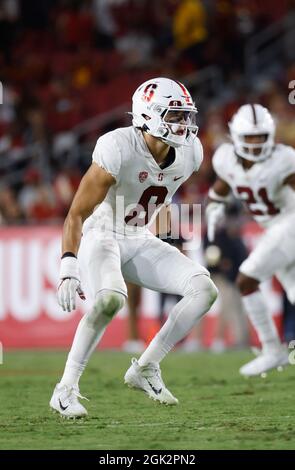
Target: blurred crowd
{"type": "Point", "coordinates": [65, 65]}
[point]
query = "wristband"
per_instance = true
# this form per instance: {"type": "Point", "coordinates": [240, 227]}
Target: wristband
{"type": "Point", "coordinates": [69, 268]}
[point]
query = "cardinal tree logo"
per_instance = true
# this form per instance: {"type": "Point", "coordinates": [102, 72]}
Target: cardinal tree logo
{"type": "Point", "coordinates": [143, 176]}
{"type": "Point", "coordinates": [292, 353]}
{"type": "Point", "coordinates": [292, 96]}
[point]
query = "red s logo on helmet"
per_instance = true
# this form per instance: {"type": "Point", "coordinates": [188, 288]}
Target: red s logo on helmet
{"type": "Point", "coordinates": [149, 92]}
{"type": "Point", "coordinates": [186, 94]}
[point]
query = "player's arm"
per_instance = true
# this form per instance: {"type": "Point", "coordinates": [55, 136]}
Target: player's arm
{"type": "Point", "coordinates": [290, 181]}
{"type": "Point", "coordinates": [91, 192]}
{"type": "Point", "coordinates": [163, 222]}
{"type": "Point", "coordinates": [218, 196]}
{"type": "Point", "coordinates": [219, 191]}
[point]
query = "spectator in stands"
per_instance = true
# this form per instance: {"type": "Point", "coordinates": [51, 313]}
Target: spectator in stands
{"type": "Point", "coordinates": [37, 200]}
{"type": "Point", "coordinates": [75, 25]}
{"type": "Point", "coordinates": [190, 30]}
{"type": "Point", "coordinates": [285, 118]}
{"type": "Point", "coordinates": [10, 211]}
{"type": "Point", "coordinates": [12, 146]}
{"type": "Point", "coordinates": [106, 27]}
{"type": "Point", "coordinates": [9, 17]}
{"type": "Point", "coordinates": [137, 46]}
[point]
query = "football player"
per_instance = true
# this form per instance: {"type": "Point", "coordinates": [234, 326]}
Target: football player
{"type": "Point", "coordinates": [135, 171]}
{"type": "Point", "coordinates": [262, 174]}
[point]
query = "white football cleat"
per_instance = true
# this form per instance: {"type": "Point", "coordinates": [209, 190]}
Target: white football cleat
{"type": "Point", "coordinates": [65, 401]}
{"type": "Point", "coordinates": [148, 378]}
{"type": "Point", "coordinates": [266, 361]}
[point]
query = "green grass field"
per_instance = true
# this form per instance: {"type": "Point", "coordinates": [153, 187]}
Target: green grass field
{"type": "Point", "coordinates": [218, 409]}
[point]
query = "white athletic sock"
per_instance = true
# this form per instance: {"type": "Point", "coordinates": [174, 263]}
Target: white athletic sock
{"type": "Point", "coordinates": [89, 332]}
{"type": "Point", "coordinates": [182, 318]}
{"type": "Point", "coordinates": [85, 341]}
{"type": "Point", "coordinates": [259, 316]}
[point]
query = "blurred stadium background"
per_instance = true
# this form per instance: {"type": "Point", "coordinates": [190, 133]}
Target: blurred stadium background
{"type": "Point", "coordinates": [68, 70]}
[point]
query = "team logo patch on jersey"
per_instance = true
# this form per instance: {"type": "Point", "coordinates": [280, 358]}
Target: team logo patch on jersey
{"type": "Point", "coordinates": [143, 176]}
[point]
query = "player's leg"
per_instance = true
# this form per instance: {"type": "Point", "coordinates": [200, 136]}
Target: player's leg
{"type": "Point", "coordinates": [134, 344]}
{"type": "Point", "coordinates": [161, 267]}
{"type": "Point", "coordinates": [198, 296]}
{"type": "Point", "coordinates": [236, 315]}
{"type": "Point", "coordinates": [286, 276]}
{"type": "Point", "coordinates": [257, 311]}
{"type": "Point", "coordinates": [100, 261]}
{"type": "Point", "coordinates": [218, 344]}
{"type": "Point", "coordinates": [266, 259]}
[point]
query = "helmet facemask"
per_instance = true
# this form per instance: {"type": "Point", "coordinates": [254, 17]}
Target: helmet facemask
{"type": "Point", "coordinates": [180, 126]}
{"type": "Point", "coordinates": [174, 125]}
{"type": "Point", "coordinates": [251, 151]}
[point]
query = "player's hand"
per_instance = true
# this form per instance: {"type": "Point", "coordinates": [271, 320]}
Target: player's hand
{"type": "Point", "coordinates": [214, 213]}
{"type": "Point", "coordinates": [69, 285]}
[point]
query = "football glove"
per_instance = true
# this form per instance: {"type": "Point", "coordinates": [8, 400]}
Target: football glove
{"type": "Point", "coordinates": [70, 284]}
{"type": "Point", "coordinates": [214, 213]}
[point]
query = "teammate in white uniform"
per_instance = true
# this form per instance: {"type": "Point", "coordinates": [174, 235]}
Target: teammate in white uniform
{"type": "Point", "coordinates": [262, 175]}
{"type": "Point", "coordinates": [135, 171]}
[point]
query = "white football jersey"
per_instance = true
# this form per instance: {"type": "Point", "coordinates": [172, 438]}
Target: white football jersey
{"type": "Point", "coordinates": [141, 187]}
{"type": "Point", "coordinates": [260, 187]}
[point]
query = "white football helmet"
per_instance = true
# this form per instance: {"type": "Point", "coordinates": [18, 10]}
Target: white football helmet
{"type": "Point", "coordinates": [164, 108]}
{"type": "Point", "coordinates": [252, 120]}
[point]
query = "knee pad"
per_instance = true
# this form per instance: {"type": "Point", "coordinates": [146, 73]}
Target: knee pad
{"type": "Point", "coordinates": [202, 284]}
{"type": "Point", "coordinates": [107, 304]}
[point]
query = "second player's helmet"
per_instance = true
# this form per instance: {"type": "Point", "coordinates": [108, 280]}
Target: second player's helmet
{"type": "Point", "coordinates": [252, 120]}
{"type": "Point", "coordinates": [164, 109]}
